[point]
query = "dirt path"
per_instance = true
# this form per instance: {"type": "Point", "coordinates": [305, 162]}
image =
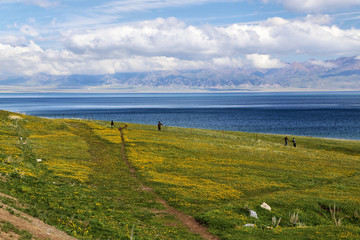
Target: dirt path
{"type": "Point", "coordinates": [185, 219]}
{"type": "Point", "coordinates": [41, 230]}
{"type": "Point", "coordinates": [23, 221]}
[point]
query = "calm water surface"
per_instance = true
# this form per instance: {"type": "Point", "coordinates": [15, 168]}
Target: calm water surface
{"type": "Point", "coordinates": [325, 114]}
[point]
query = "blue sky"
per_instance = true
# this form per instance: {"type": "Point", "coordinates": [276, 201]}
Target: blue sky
{"type": "Point", "coordinates": [65, 37]}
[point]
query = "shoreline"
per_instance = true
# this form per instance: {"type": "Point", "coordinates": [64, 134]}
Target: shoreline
{"type": "Point", "coordinates": [172, 126]}
{"type": "Point", "coordinates": [328, 115]}
{"type": "Point", "coordinates": [210, 129]}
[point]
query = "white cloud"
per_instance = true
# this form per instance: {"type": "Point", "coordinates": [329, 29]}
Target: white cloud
{"type": "Point", "coordinates": [313, 6]}
{"type": "Point", "coordinates": [29, 30]}
{"type": "Point", "coordinates": [160, 37]}
{"type": "Point", "coordinates": [173, 38]}
{"type": "Point", "coordinates": [228, 62]}
{"type": "Point", "coordinates": [31, 60]}
{"type": "Point", "coordinates": [13, 40]}
{"type": "Point", "coordinates": [319, 19]}
{"type": "Point", "coordinates": [264, 61]}
{"type": "Point", "coordinates": [40, 3]}
{"type": "Point", "coordinates": [141, 5]}
{"type": "Point", "coordinates": [320, 63]}
{"type": "Point", "coordinates": [44, 3]}
{"type": "Point", "coordinates": [170, 44]}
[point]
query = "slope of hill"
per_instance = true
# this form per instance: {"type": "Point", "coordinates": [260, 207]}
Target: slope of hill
{"type": "Point", "coordinates": [96, 182]}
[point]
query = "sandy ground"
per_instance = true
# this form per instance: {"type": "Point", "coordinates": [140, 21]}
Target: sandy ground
{"type": "Point", "coordinates": [23, 221]}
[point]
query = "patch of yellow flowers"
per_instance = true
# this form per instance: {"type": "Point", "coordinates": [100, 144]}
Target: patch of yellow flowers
{"type": "Point", "coordinates": [110, 134]}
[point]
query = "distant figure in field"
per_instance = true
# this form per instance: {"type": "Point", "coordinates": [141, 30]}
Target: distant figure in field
{"type": "Point", "coordinates": [159, 125]}
{"type": "Point", "coordinates": [112, 124]}
{"type": "Point", "coordinates": [286, 140]}
{"type": "Point", "coordinates": [294, 142]}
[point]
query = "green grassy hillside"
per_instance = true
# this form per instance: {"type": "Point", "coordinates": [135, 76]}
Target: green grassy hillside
{"type": "Point", "coordinates": [80, 177]}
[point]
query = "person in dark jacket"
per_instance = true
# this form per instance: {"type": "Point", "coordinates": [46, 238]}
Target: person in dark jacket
{"type": "Point", "coordinates": [159, 125]}
{"type": "Point", "coordinates": [112, 124]}
{"type": "Point", "coordinates": [294, 142]}
{"type": "Point", "coordinates": [286, 140]}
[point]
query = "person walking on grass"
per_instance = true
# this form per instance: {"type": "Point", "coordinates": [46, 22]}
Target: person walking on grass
{"type": "Point", "coordinates": [286, 140]}
{"type": "Point", "coordinates": [294, 142]}
{"type": "Point", "coordinates": [112, 123]}
{"type": "Point", "coordinates": [159, 125]}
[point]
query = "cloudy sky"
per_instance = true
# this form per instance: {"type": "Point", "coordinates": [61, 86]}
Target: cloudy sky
{"type": "Point", "coordinates": [65, 37]}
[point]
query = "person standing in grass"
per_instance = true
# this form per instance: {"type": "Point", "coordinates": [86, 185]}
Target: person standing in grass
{"type": "Point", "coordinates": [112, 123]}
{"type": "Point", "coordinates": [294, 142]}
{"type": "Point", "coordinates": [286, 140]}
{"type": "Point", "coordinates": [159, 125]}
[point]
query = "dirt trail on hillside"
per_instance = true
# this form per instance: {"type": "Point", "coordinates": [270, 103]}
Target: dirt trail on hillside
{"type": "Point", "coordinates": [185, 219]}
{"type": "Point", "coordinates": [23, 221]}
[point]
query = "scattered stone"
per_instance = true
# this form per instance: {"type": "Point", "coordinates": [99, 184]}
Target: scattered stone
{"type": "Point", "coordinates": [249, 225]}
{"type": "Point", "coordinates": [253, 214]}
{"type": "Point", "coordinates": [265, 206]}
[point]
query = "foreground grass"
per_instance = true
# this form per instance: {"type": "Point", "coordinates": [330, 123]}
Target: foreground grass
{"type": "Point", "coordinates": [64, 173]}
{"type": "Point", "coordinates": [82, 185]}
{"type": "Point", "coordinates": [219, 176]}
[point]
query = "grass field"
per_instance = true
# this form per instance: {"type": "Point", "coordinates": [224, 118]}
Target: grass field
{"type": "Point", "coordinates": [72, 175]}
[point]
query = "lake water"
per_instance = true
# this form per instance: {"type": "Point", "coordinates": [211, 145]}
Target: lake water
{"type": "Point", "coordinates": [318, 114]}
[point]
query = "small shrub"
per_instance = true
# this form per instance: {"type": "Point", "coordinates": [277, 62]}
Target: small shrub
{"type": "Point", "coordinates": [15, 174]}
{"type": "Point", "coordinates": [8, 227]}
{"type": "Point", "coordinates": [11, 211]}
{"type": "Point", "coordinates": [275, 222]}
{"type": "Point", "coordinates": [24, 235]}
{"type": "Point", "coordinates": [335, 217]}
{"type": "Point", "coordinates": [294, 220]}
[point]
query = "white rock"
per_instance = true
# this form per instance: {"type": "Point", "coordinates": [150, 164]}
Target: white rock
{"type": "Point", "coordinates": [265, 206]}
{"type": "Point", "coordinates": [249, 225]}
{"type": "Point", "coordinates": [253, 214]}
{"type": "Point", "coordinates": [38, 160]}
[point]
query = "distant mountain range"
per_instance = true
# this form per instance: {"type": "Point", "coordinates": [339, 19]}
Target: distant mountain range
{"type": "Point", "coordinates": [339, 74]}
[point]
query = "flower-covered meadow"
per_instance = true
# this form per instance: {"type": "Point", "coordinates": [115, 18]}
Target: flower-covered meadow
{"type": "Point", "coordinates": [217, 176]}
{"type": "Point", "coordinates": [72, 174]}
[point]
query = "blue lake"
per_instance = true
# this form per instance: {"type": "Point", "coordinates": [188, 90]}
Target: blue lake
{"type": "Point", "coordinates": [318, 114]}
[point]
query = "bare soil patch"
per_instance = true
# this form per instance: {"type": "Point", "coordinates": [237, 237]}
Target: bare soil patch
{"type": "Point", "coordinates": [23, 221]}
